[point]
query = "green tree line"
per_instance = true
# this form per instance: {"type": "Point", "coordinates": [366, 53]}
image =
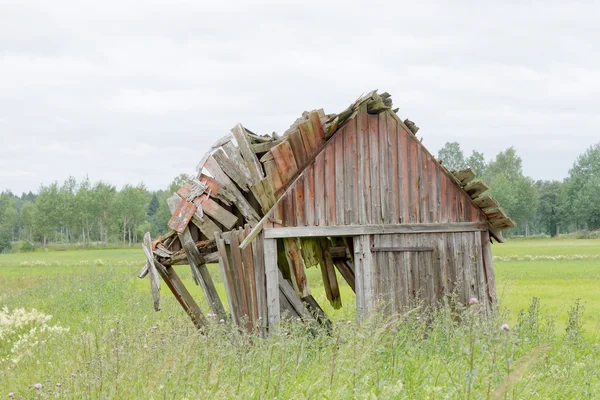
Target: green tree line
{"type": "Point", "coordinates": [538, 206]}
{"type": "Point", "coordinates": [85, 213]}
{"type": "Point", "coordinates": [98, 213]}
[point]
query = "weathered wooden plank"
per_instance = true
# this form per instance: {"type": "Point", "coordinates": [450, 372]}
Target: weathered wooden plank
{"type": "Point", "coordinates": [273, 175]}
{"type": "Point", "coordinates": [317, 127]}
{"type": "Point", "coordinates": [400, 248]}
{"type": "Point", "coordinates": [341, 198]}
{"type": "Point", "coordinates": [432, 181]}
{"type": "Point", "coordinates": [404, 176]}
{"type": "Point", "coordinates": [364, 189]}
{"type": "Point", "coordinates": [385, 196]}
{"type": "Point", "coordinates": [214, 210]}
{"type": "Point", "coordinates": [486, 202]}
{"type": "Point", "coordinates": [423, 186]}
{"type": "Point", "coordinates": [296, 263]}
{"type": "Point", "coordinates": [363, 272]}
{"type": "Point", "coordinates": [232, 170]}
{"type": "Point", "coordinates": [464, 175]}
{"type": "Point", "coordinates": [414, 181]}
{"type": "Point", "coordinates": [309, 195]}
{"type": "Point", "coordinates": [488, 266]}
{"type": "Point", "coordinates": [299, 202]}
{"type": "Point", "coordinates": [241, 280]}
{"type": "Point", "coordinates": [393, 171]}
{"type": "Point", "coordinates": [249, 275]}
{"type": "Point", "coordinates": [351, 230]}
{"type": "Point", "coordinates": [502, 224]}
{"type": "Point", "coordinates": [252, 163]}
{"type": "Point", "coordinates": [317, 312]}
{"type": "Point", "coordinates": [330, 282]}
{"type": "Point", "coordinates": [376, 214]}
{"type": "Point", "coordinates": [152, 271]}
{"type": "Point", "coordinates": [474, 189]}
{"type": "Point", "coordinates": [182, 295]}
{"type": "Point", "coordinates": [272, 280]}
{"type": "Point", "coordinates": [228, 280]}
{"type": "Point", "coordinates": [320, 211]}
{"type": "Point", "coordinates": [480, 281]}
{"type": "Point", "coordinates": [259, 279]}
{"type": "Point", "coordinates": [205, 224]}
{"type": "Point", "coordinates": [198, 264]}
{"type": "Point", "coordinates": [213, 188]}
{"type": "Point", "coordinates": [292, 297]}
{"type": "Point", "coordinates": [264, 146]}
{"type": "Point", "coordinates": [181, 216]}
{"type": "Point", "coordinates": [444, 207]}
{"type": "Point", "coordinates": [300, 153]}
{"type": "Point", "coordinates": [346, 273]}
{"type": "Point", "coordinates": [240, 201]}
{"type": "Point", "coordinates": [309, 137]}
{"type": "Point", "coordinates": [285, 161]}
{"type": "Point", "coordinates": [351, 167]}
{"type": "Point", "coordinates": [330, 194]}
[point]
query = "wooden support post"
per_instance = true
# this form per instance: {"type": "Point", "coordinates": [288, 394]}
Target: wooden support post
{"type": "Point", "coordinates": [227, 278]}
{"type": "Point", "coordinates": [363, 271]}
{"type": "Point", "coordinates": [272, 275]}
{"type": "Point", "coordinates": [488, 266]}
{"type": "Point", "coordinates": [182, 295]}
{"type": "Point", "coordinates": [201, 274]}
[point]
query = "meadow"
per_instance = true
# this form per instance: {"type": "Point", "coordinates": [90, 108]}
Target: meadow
{"type": "Point", "coordinates": [81, 325]}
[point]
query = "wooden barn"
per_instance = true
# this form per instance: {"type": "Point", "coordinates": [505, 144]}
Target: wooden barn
{"type": "Point", "coordinates": [355, 194]}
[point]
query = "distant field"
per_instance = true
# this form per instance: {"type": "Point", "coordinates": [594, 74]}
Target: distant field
{"type": "Point", "coordinates": [108, 311]}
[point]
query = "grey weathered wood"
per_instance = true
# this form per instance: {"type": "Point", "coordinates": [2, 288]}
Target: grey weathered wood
{"type": "Point", "coordinates": [144, 271]}
{"type": "Point", "coordinates": [231, 169]}
{"type": "Point", "coordinates": [401, 249]}
{"type": "Point", "coordinates": [206, 225]}
{"type": "Point", "coordinates": [259, 278]}
{"type": "Point", "coordinates": [233, 152]}
{"type": "Point", "coordinates": [363, 273]}
{"type": "Point", "coordinates": [488, 265]}
{"type": "Point", "coordinates": [217, 212]}
{"type": "Point", "coordinates": [464, 175]}
{"type": "Point", "coordinates": [352, 230]}
{"type": "Point", "coordinates": [272, 278]}
{"type": "Point", "coordinates": [291, 295]}
{"type": "Point", "coordinates": [182, 295]}
{"type": "Point", "coordinates": [474, 189]}
{"type": "Point", "coordinates": [346, 273]}
{"type": "Point", "coordinates": [153, 273]}
{"type": "Point", "coordinates": [227, 278]}
{"type": "Point", "coordinates": [227, 184]}
{"type": "Point", "coordinates": [252, 163]}
{"type": "Point", "coordinates": [201, 273]}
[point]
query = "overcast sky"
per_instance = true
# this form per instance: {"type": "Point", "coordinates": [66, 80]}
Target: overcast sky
{"type": "Point", "coordinates": [128, 91]}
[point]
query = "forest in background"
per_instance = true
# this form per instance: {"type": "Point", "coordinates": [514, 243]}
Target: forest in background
{"type": "Point", "coordinates": [99, 214]}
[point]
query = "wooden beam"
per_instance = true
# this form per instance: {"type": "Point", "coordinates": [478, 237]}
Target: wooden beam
{"type": "Point", "coordinates": [353, 230]}
{"type": "Point", "coordinates": [464, 175]}
{"type": "Point", "coordinates": [272, 278]}
{"type": "Point", "coordinates": [265, 146]}
{"type": "Point", "coordinates": [252, 163]}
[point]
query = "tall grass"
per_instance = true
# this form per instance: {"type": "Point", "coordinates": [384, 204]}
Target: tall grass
{"type": "Point", "coordinates": [116, 347]}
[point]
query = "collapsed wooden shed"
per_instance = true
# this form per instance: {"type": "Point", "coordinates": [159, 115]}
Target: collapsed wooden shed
{"type": "Point", "coordinates": [354, 192]}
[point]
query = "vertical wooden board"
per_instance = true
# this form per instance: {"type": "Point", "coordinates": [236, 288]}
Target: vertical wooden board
{"type": "Point", "coordinates": [289, 217]}
{"type": "Point", "coordinates": [273, 173]}
{"type": "Point", "coordinates": [451, 265]}
{"type": "Point", "coordinates": [227, 277]}
{"type": "Point", "coordinates": [393, 170]}
{"type": "Point", "coordinates": [309, 195]}
{"type": "Point", "coordinates": [232, 169]}
{"type": "Point", "coordinates": [340, 182]}
{"type": "Point", "coordinates": [398, 277]}
{"type": "Point", "coordinates": [384, 172]}
{"type": "Point", "coordinates": [381, 275]}
{"type": "Point", "coordinates": [299, 202]}
{"type": "Point", "coordinates": [248, 260]}
{"type": "Point", "coordinates": [351, 167]}
{"type": "Point", "coordinates": [272, 281]}
{"type": "Point", "coordinates": [364, 185]}
{"type": "Point", "coordinates": [444, 208]}
{"type": "Point", "coordinates": [412, 270]}
{"type": "Point", "coordinates": [240, 279]}
{"type": "Point", "coordinates": [404, 175]}
{"type": "Point", "coordinates": [285, 161]}
{"type": "Point", "coordinates": [433, 178]}
{"type": "Point", "coordinates": [466, 206]}
{"type": "Point", "coordinates": [376, 215]}
{"type": "Point", "coordinates": [320, 211]}
{"type": "Point", "coordinates": [488, 266]}
{"type": "Point", "coordinates": [453, 201]}
{"type": "Point", "coordinates": [414, 181]}
{"type": "Point", "coordinates": [442, 274]}
{"type": "Point", "coordinates": [233, 152]}
{"type": "Point", "coordinates": [363, 272]}
{"type": "Point", "coordinates": [300, 153]}
{"type": "Point", "coordinates": [480, 282]}
{"type": "Point", "coordinates": [423, 185]}
{"type": "Point", "coordinates": [259, 280]}
{"type": "Point", "coordinates": [330, 194]}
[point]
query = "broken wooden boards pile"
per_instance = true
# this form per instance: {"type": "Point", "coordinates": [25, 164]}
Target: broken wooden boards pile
{"type": "Point", "coordinates": [239, 190]}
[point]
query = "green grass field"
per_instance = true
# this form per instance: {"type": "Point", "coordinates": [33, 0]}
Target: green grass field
{"type": "Point", "coordinates": [117, 347]}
